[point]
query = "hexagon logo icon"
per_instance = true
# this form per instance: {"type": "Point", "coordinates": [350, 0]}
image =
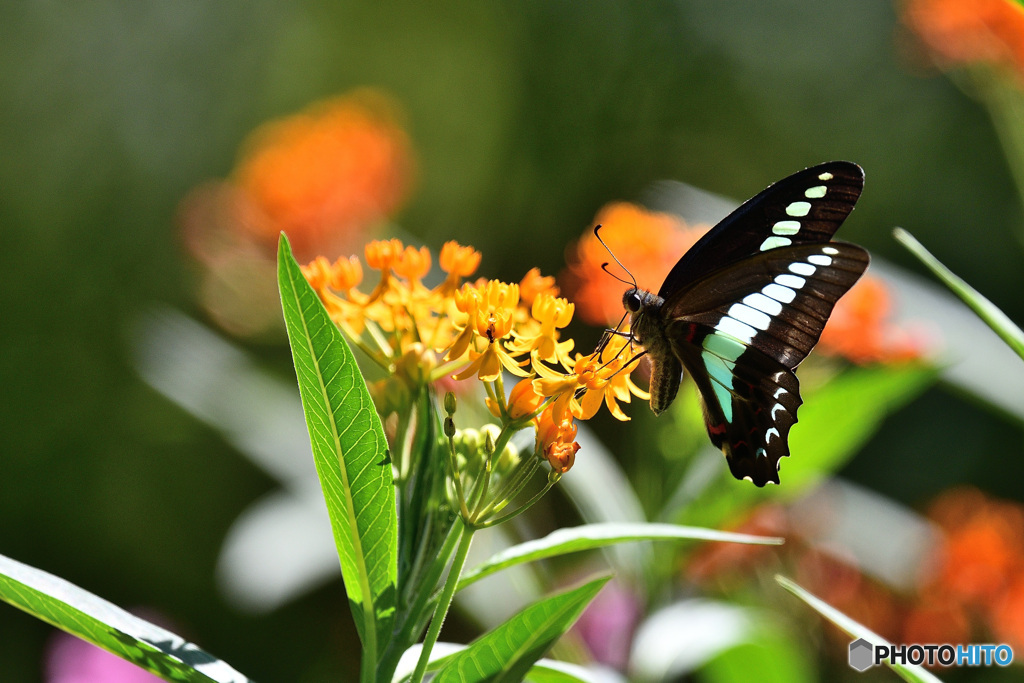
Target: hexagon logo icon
{"type": "Point", "coordinates": [862, 654]}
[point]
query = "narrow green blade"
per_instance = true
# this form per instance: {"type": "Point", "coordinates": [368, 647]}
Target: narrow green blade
{"type": "Point", "coordinates": [590, 536]}
{"type": "Point", "coordinates": [908, 672]}
{"type": "Point", "coordinates": [350, 452]}
{"type": "Point", "coordinates": [986, 310]}
{"type": "Point", "coordinates": [106, 625]}
{"type": "Point", "coordinates": [507, 653]}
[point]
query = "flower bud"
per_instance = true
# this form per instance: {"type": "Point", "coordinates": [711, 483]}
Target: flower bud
{"type": "Point", "coordinates": [449, 402]}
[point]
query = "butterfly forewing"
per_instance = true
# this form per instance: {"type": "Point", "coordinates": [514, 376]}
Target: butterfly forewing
{"type": "Point", "coordinates": [805, 208]}
{"type": "Point", "coordinates": [777, 301]}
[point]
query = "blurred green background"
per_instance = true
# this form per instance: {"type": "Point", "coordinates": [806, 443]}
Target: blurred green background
{"type": "Point", "coordinates": [526, 118]}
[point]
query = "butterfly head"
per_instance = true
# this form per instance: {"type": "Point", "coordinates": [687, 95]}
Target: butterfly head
{"type": "Point", "coordinates": [642, 307]}
{"type": "Point", "coordinates": [636, 300]}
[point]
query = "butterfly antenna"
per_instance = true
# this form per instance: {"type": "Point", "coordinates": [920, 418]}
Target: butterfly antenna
{"type": "Point", "coordinates": [597, 234]}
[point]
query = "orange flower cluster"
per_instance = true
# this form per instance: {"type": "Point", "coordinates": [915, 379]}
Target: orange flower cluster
{"type": "Point", "coordinates": [477, 329]}
{"type": "Point", "coordinates": [860, 328]}
{"type": "Point", "coordinates": [964, 32]}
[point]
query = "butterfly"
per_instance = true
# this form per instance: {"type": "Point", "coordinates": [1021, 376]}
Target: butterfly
{"type": "Point", "coordinates": [745, 305]}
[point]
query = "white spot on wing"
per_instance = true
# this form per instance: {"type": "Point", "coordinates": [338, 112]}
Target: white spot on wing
{"type": "Point", "coordinates": [816, 192]}
{"type": "Point", "coordinates": [773, 242]}
{"type": "Point", "coordinates": [798, 209]}
{"type": "Point", "coordinates": [825, 176]}
{"type": "Point", "coordinates": [832, 251]}
{"type": "Point", "coordinates": [769, 433]}
{"type": "Point", "coordinates": [779, 293]}
{"type": "Point", "coordinates": [745, 333]}
{"type": "Point", "coordinates": [805, 269]}
{"type": "Point", "coordinates": [750, 316]}
{"type": "Point", "coordinates": [820, 260]}
{"type": "Point", "coordinates": [777, 407]}
{"type": "Point", "coordinates": [779, 392]}
{"type": "Point", "coordinates": [786, 227]}
{"type": "Point", "coordinates": [763, 303]}
{"type": "Point", "coordinates": [791, 281]}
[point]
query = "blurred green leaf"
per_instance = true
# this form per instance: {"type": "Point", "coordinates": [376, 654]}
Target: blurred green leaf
{"type": "Point", "coordinates": [838, 418]}
{"type": "Point", "coordinates": [986, 310]}
{"type": "Point", "coordinates": [550, 674]}
{"type": "Point", "coordinates": [772, 654]}
{"type": "Point", "coordinates": [106, 625]}
{"type": "Point", "coordinates": [507, 653]}
{"type": "Point", "coordinates": [590, 536]}
{"type": "Point", "coordinates": [350, 453]}
{"type": "Point", "coordinates": [908, 672]}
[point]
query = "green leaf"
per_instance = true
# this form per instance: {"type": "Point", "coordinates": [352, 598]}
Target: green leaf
{"type": "Point", "coordinates": [774, 654]}
{"type": "Point", "coordinates": [986, 310]}
{"type": "Point", "coordinates": [543, 671]}
{"type": "Point", "coordinates": [351, 456]}
{"type": "Point", "coordinates": [106, 625]}
{"type": "Point", "coordinates": [838, 418]}
{"type": "Point", "coordinates": [908, 672]}
{"type": "Point", "coordinates": [590, 536]}
{"type": "Point", "coordinates": [506, 653]}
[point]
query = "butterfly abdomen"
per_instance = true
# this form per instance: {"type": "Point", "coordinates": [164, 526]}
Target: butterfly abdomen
{"type": "Point", "coordinates": [666, 373]}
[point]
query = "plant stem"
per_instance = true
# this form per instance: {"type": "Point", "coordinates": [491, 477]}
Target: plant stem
{"type": "Point", "coordinates": [520, 510]}
{"type": "Point", "coordinates": [444, 602]}
{"type": "Point", "coordinates": [414, 618]}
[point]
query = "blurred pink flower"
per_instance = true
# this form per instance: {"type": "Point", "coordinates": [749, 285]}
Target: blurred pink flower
{"type": "Point", "coordinates": [72, 660]}
{"type": "Point", "coordinates": [608, 623]}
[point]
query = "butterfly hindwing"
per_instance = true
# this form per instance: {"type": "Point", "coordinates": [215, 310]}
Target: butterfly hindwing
{"type": "Point", "coordinates": [805, 208]}
{"type": "Point", "coordinates": [749, 406]}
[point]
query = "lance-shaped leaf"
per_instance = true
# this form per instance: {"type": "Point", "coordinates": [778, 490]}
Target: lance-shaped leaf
{"type": "Point", "coordinates": [908, 672]}
{"type": "Point", "coordinates": [350, 453]}
{"type": "Point", "coordinates": [590, 536]}
{"type": "Point", "coordinates": [506, 653]}
{"type": "Point", "coordinates": [986, 310]}
{"type": "Point", "coordinates": [106, 625]}
{"type": "Point", "coordinates": [544, 671]}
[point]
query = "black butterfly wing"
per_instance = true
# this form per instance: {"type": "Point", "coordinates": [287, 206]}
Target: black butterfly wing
{"type": "Point", "coordinates": [749, 407]}
{"type": "Point", "coordinates": [743, 329]}
{"type": "Point", "coordinates": [805, 208]}
{"type": "Point", "coordinates": [777, 301]}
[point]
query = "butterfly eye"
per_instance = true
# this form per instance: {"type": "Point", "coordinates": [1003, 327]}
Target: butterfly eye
{"type": "Point", "coordinates": [631, 300]}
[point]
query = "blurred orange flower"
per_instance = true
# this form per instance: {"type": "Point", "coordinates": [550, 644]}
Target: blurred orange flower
{"type": "Point", "coordinates": [860, 328]}
{"type": "Point", "coordinates": [648, 243]}
{"type": "Point", "coordinates": [326, 174]}
{"type": "Point", "coordinates": [970, 30]}
{"type": "Point", "coordinates": [979, 570]}
{"type": "Point", "coordinates": [984, 548]}
{"type": "Point", "coordinates": [1007, 615]}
